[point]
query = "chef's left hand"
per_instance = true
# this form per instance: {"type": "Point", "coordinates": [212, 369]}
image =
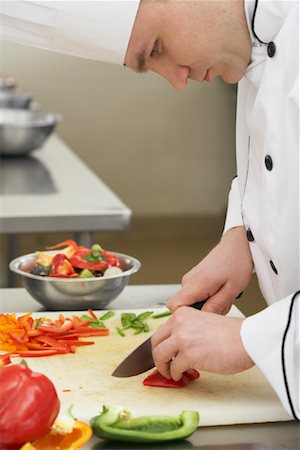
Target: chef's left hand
{"type": "Point", "coordinates": [199, 340]}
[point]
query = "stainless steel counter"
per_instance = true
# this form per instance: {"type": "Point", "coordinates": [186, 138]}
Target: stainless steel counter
{"type": "Point", "coordinates": [266, 436]}
{"type": "Point", "coordinates": [52, 190]}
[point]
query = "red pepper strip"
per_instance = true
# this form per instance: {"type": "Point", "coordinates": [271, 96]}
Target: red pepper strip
{"type": "Point", "coordinates": [49, 340]}
{"type": "Point", "coordinates": [71, 336]}
{"type": "Point", "coordinates": [155, 379]}
{"type": "Point", "coordinates": [28, 353]}
{"type": "Point", "coordinates": [33, 346]}
{"type": "Point", "coordinates": [92, 314]}
{"type": "Point", "coordinates": [90, 330]}
{"type": "Point", "coordinates": [112, 260]}
{"type": "Point", "coordinates": [79, 263]}
{"type": "Point", "coordinates": [76, 343]}
{"type": "Point", "coordinates": [67, 243]}
{"type": "Point", "coordinates": [34, 333]}
{"type": "Point", "coordinates": [83, 323]}
{"type": "Point", "coordinates": [103, 332]}
{"type": "Point", "coordinates": [67, 325]}
{"type": "Point", "coordinates": [5, 360]}
{"type": "Point", "coordinates": [61, 267]}
{"type": "Point", "coordinates": [17, 339]}
{"type": "Point", "coordinates": [50, 329]}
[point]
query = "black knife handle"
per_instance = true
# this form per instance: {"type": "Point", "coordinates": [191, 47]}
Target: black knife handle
{"type": "Point", "coordinates": [198, 305]}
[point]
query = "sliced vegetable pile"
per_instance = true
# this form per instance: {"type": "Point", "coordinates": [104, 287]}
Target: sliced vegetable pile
{"type": "Point", "coordinates": [137, 321]}
{"type": "Point", "coordinates": [70, 260]}
{"type": "Point", "coordinates": [27, 337]}
{"type": "Point", "coordinates": [117, 425]}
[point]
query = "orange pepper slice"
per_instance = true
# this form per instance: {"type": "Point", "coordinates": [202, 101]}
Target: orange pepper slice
{"type": "Point", "coordinates": [79, 436]}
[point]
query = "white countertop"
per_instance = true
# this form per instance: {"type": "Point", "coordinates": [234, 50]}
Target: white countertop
{"type": "Point", "coordinates": [137, 296]}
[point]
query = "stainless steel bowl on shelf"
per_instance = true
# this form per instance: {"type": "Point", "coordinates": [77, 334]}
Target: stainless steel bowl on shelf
{"type": "Point", "coordinates": [22, 131]}
{"type": "Point", "coordinates": [72, 294]}
{"type": "Point", "coordinates": [14, 101]}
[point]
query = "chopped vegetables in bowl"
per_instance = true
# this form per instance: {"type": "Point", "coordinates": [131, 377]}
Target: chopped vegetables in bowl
{"type": "Point", "coordinates": [68, 276]}
{"type": "Point", "coordinates": [70, 260]}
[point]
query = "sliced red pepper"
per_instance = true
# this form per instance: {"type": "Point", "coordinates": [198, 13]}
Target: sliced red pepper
{"type": "Point", "coordinates": [75, 342]}
{"type": "Point", "coordinates": [61, 267]}
{"type": "Point", "coordinates": [155, 379]}
{"type": "Point", "coordinates": [16, 338]}
{"type": "Point", "coordinates": [5, 360]}
{"type": "Point", "coordinates": [92, 314]}
{"type": "Point", "coordinates": [67, 243]}
{"type": "Point", "coordinates": [50, 329]}
{"type": "Point", "coordinates": [28, 353]}
{"type": "Point", "coordinates": [78, 262]}
{"type": "Point", "coordinates": [95, 332]}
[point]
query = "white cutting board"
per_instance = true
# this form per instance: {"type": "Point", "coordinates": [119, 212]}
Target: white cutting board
{"type": "Point", "coordinates": [84, 380]}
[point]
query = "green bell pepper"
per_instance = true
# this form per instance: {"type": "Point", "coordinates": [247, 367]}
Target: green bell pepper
{"type": "Point", "coordinates": [117, 425]}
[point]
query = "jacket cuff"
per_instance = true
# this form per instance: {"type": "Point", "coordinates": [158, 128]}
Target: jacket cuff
{"type": "Point", "coordinates": [233, 215]}
{"type": "Point", "coordinates": [272, 340]}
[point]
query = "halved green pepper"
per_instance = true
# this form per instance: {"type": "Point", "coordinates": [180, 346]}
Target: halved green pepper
{"type": "Point", "coordinates": [117, 425]}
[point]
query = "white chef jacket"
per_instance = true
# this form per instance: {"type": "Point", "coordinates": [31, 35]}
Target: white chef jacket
{"type": "Point", "coordinates": [264, 197]}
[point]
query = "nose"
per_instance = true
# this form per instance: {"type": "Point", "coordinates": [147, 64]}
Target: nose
{"type": "Point", "coordinates": [177, 75]}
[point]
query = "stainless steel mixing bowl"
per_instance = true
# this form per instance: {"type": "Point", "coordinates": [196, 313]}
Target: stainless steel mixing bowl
{"type": "Point", "coordinates": [22, 131]}
{"type": "Point", "coordinates": [14, 101]}
{"type": "Point", "coordinates": [72, 294]}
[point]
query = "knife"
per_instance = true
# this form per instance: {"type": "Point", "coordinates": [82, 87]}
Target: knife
{"type": "Point", "coordinates": [141, 360]}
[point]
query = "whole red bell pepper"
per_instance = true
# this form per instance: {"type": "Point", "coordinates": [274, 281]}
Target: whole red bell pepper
{"type": "Point", "coordinates": [28, 407]}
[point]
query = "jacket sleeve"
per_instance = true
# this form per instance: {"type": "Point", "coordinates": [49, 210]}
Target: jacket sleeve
{"type": "Point", "coordinates": [272, 340]}
{"type": "Point", "coordinates": [233, 216]}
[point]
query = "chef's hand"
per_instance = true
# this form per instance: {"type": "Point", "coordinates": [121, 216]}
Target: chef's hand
{"type": "Point", "coordinates": [220, 277]}
{"type": "Point", "coordinates": [200, 340]}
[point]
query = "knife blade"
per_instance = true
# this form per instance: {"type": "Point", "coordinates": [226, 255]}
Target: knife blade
{"type": "Point", "coordinates": [140, 360]}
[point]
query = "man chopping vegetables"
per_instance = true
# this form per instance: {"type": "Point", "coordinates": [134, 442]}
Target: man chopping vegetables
{"type": "Point", "coordinates": [254, 43]}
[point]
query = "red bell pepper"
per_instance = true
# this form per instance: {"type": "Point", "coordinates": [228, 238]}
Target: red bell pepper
{"type": "Point", "coordinates": [5, 360]}
{"type": "Point", "coordinates": [155, 379]}
{"type": "Point", "coordinates": [61, 267]}
{"type": "Point", "coordinates": [29, 405]}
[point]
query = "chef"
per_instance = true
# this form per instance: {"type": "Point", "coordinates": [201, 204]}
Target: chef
{"type": "Point", "coordinates": [254, 43]}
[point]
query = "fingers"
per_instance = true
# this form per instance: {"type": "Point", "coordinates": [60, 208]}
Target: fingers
{"type": "Point", "coordinates": [186, 296]}
{"type": "Point", "coordinates": [220, 303]}
{"type": "Point", "coordinates": [163, 355]}
{"type": "Point", "coordinates": [177, 366]}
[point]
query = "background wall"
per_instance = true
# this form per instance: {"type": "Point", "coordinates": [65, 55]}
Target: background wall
{"type": "Point", "coordinates": [163, 152]}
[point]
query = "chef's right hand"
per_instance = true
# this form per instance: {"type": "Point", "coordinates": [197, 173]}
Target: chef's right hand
{"type": "Point", "coordinates": [220, 277]}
